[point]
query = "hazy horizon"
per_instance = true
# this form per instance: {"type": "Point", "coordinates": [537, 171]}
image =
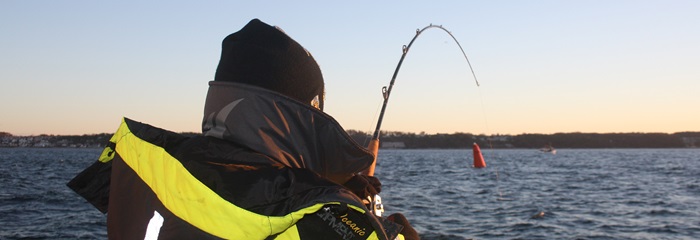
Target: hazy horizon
{"type": "Point", "coordinates": [369, 133]}
{"type": "Point", "coordinates": [544, 67]}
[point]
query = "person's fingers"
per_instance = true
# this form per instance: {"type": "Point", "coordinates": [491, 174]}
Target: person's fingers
{"type": "Point", "coordinates": [375, 183]}
{"type": "Point", "coordinates": [408, 231]}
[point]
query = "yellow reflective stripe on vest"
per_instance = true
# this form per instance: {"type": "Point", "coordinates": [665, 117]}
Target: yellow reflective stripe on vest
{"type": "Point", "coordinates": [290, 234]}
{"type": "Point", "coordinates": [192, 201]}
{"type": "Point", "coordinates": [373, 236]}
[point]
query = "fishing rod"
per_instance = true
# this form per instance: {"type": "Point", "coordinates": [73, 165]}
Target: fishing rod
{"type": "Point", "coordinates": [375, 202]}
{"type": "Point", "coordinates": [386, 92]}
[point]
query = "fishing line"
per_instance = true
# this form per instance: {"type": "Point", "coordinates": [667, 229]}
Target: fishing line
{"type": "Point", "coordinates": [386, 91]}
{"type": "Point", "coordinates": [491, 150]}
{"type": "Point", "coordinates": [369, 137]}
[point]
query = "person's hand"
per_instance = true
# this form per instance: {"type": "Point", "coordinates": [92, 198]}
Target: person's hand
{"type": "Point", "coordinates": [408, 232]}
{"type": "Point", "coordinates": [364, 186]}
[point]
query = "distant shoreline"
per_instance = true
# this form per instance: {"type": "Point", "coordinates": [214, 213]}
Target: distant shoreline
{"type": "Point", "coordinates": [404, 140]}
{"type": "Point", "coordinates": [407, 149]}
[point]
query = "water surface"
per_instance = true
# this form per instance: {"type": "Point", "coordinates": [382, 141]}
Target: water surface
{"type": "Point", "coordinates": [583, 193]}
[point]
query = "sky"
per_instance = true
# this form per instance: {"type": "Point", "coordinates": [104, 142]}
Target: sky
{"type": "Point", "coordinates": [598, 66]}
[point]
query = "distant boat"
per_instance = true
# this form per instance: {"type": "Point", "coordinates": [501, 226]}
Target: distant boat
{"type": "Point", "coordinates": [548, 148]}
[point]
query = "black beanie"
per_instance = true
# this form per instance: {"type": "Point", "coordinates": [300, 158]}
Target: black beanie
{"type": "Point", "coordinates": [264, 56]}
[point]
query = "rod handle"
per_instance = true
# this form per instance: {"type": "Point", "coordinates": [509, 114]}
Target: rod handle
{"type": "Point", "coordinates": [373, 147]}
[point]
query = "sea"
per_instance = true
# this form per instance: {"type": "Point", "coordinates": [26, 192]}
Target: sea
{"type": "Point", "coordinates": [521, 194]}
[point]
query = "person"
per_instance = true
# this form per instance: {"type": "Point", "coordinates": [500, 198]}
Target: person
{"type": "Point", "coordinates": [270, 164]}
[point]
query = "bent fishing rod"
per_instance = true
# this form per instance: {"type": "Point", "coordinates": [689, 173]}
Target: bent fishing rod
{"type": "Point", "coordinates": [386, 91]}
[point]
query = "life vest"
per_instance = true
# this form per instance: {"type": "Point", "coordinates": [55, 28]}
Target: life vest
{"type": "Point", "coordinates": [155, 183]}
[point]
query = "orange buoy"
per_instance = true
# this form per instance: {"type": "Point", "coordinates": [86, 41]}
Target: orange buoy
{"type": "Point", "coordinates": [478, 158]}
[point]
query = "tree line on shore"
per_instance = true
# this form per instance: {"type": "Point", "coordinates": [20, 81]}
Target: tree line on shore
{"type": "Point", "coordinates": [558, 140]}
{"type": "Point", "coordinates": [423, 140]}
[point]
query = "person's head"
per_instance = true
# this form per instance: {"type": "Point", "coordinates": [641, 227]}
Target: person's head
{"type": "Point", "coordinates": [264, 56]}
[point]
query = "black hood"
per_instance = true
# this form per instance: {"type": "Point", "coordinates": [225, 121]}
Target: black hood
{"type": "Point", "coordinates": [292, 133]}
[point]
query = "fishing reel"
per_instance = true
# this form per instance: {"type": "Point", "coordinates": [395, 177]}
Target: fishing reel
{"type": "Point", "coordinates": [375, 205]}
